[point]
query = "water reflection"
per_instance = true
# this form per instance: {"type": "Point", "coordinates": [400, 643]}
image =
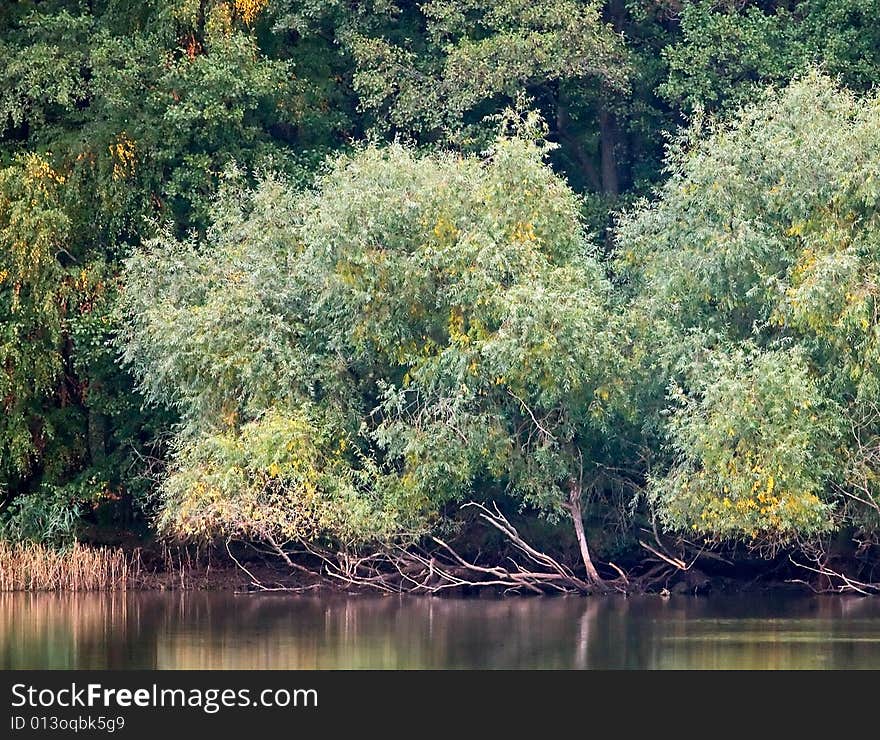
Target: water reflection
{"type": "Point", "coordinates": [211, 630]}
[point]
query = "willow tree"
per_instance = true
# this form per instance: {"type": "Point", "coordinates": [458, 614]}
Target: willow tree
{"type": "Point", "coordinates": [113, 115]}
{"type": "Point", "coordinates": [349, 359]}
{"type": "Point", "coordinates": [754, 277]}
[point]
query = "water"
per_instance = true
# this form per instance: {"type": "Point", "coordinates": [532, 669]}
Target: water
{"type": "Point", "coordinates": [221, 630]}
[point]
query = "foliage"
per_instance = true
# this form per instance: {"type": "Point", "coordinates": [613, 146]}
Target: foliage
{"type": "Point", "coordinates": [478, 53]}
{"type": "Point", "coordinates": [366, 351]}
{"type": "Point", "coordinates": [729, 50]}
{"type": "Point", "coordinates": [761, 251]}
{"type": "Point", "coordinates": [754, 448]}
{"type": "Point", "coordinates": [427, 321]}
{"type": "Point", "coordinates": [44, 517]}
{"type": "Point", "coordinates": [32, 231]}
{"type": "Point", "coordinates": [283, 477]}
{"type": "Point", "coordinates": [111, 117]}
{"type": "Point", "coordinates": [438, 72]}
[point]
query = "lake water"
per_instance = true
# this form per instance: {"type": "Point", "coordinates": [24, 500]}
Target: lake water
{"type": "Point", "coordinates": [221, 630]}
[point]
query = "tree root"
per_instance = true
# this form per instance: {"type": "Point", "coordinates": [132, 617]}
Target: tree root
{"type": "Point", "coordinates": [836, 582]}
{"type": "Point", "coordinates": [437, 567]}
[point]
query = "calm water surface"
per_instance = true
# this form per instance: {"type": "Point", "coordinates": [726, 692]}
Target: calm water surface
{"type": "Point", "coordinates": [216, 630]}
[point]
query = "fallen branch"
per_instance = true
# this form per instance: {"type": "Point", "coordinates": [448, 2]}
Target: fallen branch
{"type": "Point", "coordinates": [848, 584]}
{"type": "Point", "coordinates": [416, 569]}
{"type": "Point", "coordinates": [673, 561]}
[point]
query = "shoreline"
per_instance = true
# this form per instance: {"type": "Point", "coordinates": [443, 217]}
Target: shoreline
{"type": "Point", "coordinates": [88, 568]}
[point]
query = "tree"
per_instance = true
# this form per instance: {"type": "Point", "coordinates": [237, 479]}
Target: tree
{"type": "Point", "coordinates": [32, 300]}
{"type": "Point", "coordinates": [433, 71]}
{"type": "Point", "coordinates": [756, 261]}
{"type": "Point", "coordinates": [727, 51]}
{"type": "Point", "coordinates": [753, 440]}
{"type": "Point", "coordinates": [429, 324]}
{"type": "Point", "coordinates": [113, 116]}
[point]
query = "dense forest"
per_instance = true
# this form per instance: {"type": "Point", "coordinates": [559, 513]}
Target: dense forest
{"type": "Point", "coordinates": [427, 294]}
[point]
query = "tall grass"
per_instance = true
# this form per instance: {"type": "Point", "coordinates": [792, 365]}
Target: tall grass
{"type": "Point", "coordinates": [32, 567]}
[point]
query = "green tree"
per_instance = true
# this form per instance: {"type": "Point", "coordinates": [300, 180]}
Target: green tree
{"type": "Point", "coordinates": [415, 327]}
{"type": "Point", "coordinates": [32, 230]}
{"type": "Point", "coordinates": [115, 116]}
{"type": "Point", "coordinates": [754, 268]}
{"type": "Point", "coordinates": [727, 51]}
{"type": "Point", "coordinates": [433, 71]}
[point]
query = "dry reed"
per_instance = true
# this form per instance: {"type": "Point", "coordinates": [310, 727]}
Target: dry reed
{"type": "Point", "coordinates": [32, 567]}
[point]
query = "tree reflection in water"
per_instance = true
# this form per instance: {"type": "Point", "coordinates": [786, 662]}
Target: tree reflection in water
{"type": "Point", "coordinates": [219, 630]}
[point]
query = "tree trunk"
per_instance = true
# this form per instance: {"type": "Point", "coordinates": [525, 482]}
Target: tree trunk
{"type": "Point", "coordinates": [574, 506]}
{"type": "Point", "coordinates": [607, 146]}
{"type": "Point", "coordinates": [611, 138]}
{"type": "Point", "coordinates": [97, 436]}
{"type": "Point", "coordinates": [572, 144]}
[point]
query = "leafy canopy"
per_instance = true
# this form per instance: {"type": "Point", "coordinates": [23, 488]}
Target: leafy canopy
{"type": "Point", "coordinates": [349, 358]}
{"type": "Point", "coordinates": [758, 259]}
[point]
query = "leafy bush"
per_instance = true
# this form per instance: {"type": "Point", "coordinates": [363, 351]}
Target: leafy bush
{"type": "Point", "coordinates": [758, 262]}
{"type": "Point", "coordinates": [348, 359]}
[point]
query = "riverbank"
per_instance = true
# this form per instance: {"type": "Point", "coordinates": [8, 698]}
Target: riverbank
{"type": "Point", "coordinates": [33, 567]}
{"type": "Point", "coordinates": [80, 567]}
